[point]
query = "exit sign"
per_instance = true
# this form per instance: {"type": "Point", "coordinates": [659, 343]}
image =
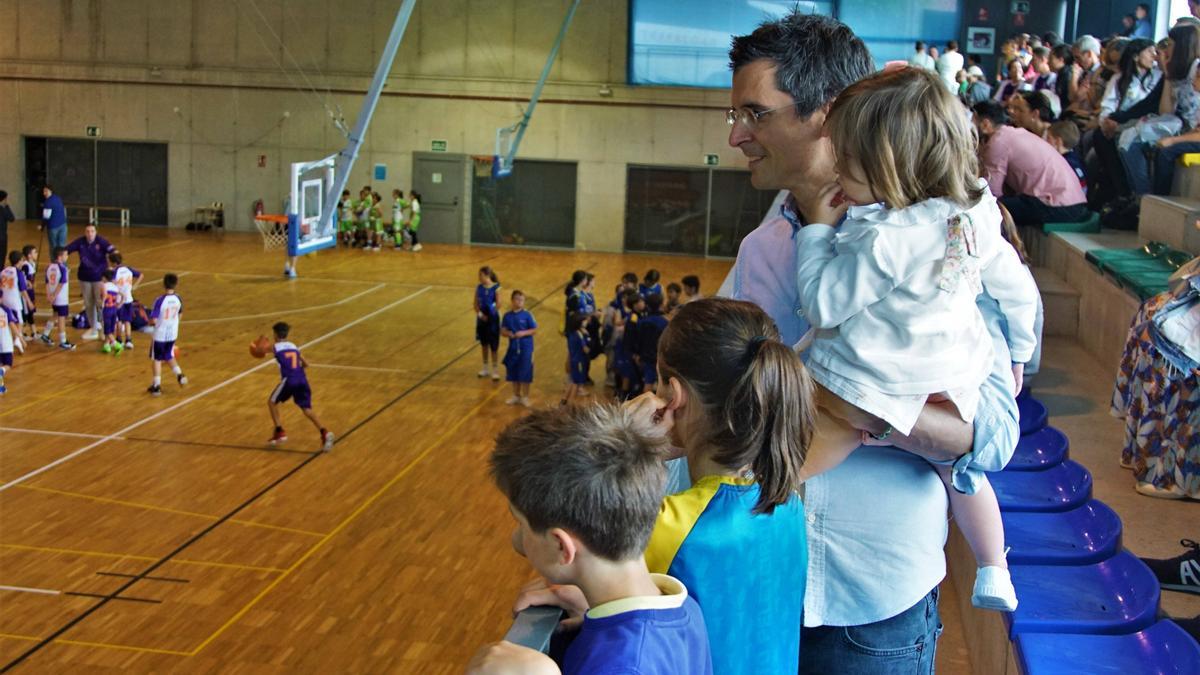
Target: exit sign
{"type": "Point", "coordinates": [93, 132]}
{"type": "Point", "coordinates": [438, 146]}
{"type": "Point", "coordinates": [712, 160]}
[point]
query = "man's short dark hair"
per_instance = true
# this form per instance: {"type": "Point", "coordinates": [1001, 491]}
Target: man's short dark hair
{"type": "Point", "coordinates": [1039, 104]}
{"type": "Point", "coordinates": [991, 110]}
{"type": "Point", "coordinates": [59, 250]}
{"type": "Point", "coordinates": [170, 281]}
{"type": "Point", "coordinates": [1145, 7]}
{"type": "Point", "coordinates": [951, 45]}
{"type": "Point", "coordinates": [691, 281]}
{"type": "Point", "coordinates": [594, 471]}
{"type": "Point", "coordinates": [3, 195]}
{"type": "Point", "coordinates": [815, 57]}
{"type": "Point", "coordinates": [1051, 38]}
{"type": "Point", "coordinates": [920, 45]}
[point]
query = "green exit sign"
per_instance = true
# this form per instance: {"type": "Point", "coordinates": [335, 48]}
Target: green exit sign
{"type": "Point", "coordinates": [438, 146]}
{"type": "Point", "coordinates": [93, 132]}
{"type": "Point", "coordinates": [712, 160]}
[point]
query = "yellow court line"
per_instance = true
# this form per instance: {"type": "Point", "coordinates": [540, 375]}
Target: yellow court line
{"type": "Point", "coordinates": [130, 556]}
{"type": "Point", "coordinates": [164, 509]}
{"type": "Point", "coordinates": [350, 518]}
{"type": "Point", "coordinates": [107, 645]}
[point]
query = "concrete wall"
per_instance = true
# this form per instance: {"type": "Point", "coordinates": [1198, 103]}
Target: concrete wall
{"type": "Point", "coordinates": [204, 76]}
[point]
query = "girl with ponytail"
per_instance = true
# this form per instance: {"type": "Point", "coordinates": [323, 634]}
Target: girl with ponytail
{"type": "Point", "coordinates": [740, 404]}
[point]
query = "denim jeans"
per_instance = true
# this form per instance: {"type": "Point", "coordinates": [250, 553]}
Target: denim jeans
{"type": "Point", "coordinates": [1137, 167]}
{"type": "Point", "coordinates": [902, 645]}
{"type": "Point", "coordinates": [57, 236]}
{"type": "Point", "coordinates": [1031, 211]}
{"type": "Point", "coordinates": [1164, 165]}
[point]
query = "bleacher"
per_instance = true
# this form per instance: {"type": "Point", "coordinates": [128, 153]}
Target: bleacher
{"type": "Point", "coordinates": [1086, 605]}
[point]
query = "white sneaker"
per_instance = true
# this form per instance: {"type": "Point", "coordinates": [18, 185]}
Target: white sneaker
{"type": "Point", "coordinates": [90, 335]}
{"type": "Point", "coordinates": [482, 373]}
{"type": "Point", "coordinates": [994, 590]}
{"type": "Point", "coordinates": [416, 247]}
{"type": "Point", "coordinates": [19, 345]}
{"type": "Point", "coordinates": [526, 402]}
{"type": "Point", "coordinates": [495, 375]}
{"type": "Point", "coordinates": [513, 400]}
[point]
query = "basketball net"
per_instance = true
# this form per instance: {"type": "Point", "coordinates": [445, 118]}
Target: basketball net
{"type": "Point", "coordinates": [274, 233]}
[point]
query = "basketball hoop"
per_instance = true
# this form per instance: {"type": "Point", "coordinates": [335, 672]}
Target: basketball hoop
{"type": "Point", "coordinates": [273, 228]}
{"type": "Point", "coordinates": [483, 165]}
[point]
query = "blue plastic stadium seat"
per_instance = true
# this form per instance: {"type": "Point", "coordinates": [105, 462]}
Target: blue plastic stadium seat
{"type": "Point", "coordinates": [1114, 597]}
{"type": "Point", "coordinates": [1088, 534]}
{"type": "Point", "coordinates": [1033, 415]}
{"type": "Point", "coordinates": [1059, 488]}
{"type": "Point", "coordinates": [1042, 449]}
{"type": "Point", "coordinates": [1161, 649]}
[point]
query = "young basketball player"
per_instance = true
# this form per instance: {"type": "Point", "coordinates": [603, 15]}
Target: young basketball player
{"type": "Point", "coordinates": [112, 307]}
{"type": "Point", "coordinates": [165, 317]}
{"type": "Point", "coordinates": [6, 350]}
{"type": "Point", "coordinates": [375, 222]}
{"type": "Point", "coordinates": [126, 278]}
{"type": "Point", "coordinates": [519, 327]}
{"type": "Point", "coordinates": [345, 218]}
{"type": "Point", "coordinates": [12, 292]}
{"type": "Point", "coordinates": [57, 283]}
{"type": "Point", "coordinates": [28, 267]}
{"type": "Point", "coordinates": [292, 385]}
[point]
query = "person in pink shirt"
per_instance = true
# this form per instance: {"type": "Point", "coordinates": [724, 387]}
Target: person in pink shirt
{"type": "Point", "coordinates": [1025, 173]}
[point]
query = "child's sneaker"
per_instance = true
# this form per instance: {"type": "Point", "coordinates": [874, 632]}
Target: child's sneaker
{"type": "Point", "coordinates": [326, 440]}
{"type": "Point", "coordinates": [495, 375]}
{"type": "Point", "coordinates": [107, 348]}
{"type": "Point", "coordinates": [994, 589]}
{"type": "Point", "coordinates": [118, 348]}
{"type": "Point", "coordinates": [182, 379]}
{"type": "Point", "coordinates": [91, 335]}
{"type": "Point", "coordinates": [19, 345]}
{"type": "Point", "coordinates": [526, 402]}
{"type": "Point", "coordinates": [46, 339]}
{"type": "Point", "coordinates": [1181, 573]}
{"type": "Point", "coordinates": [129, 344]}
{"type": "Point", "coordinates": [154, 390]}
{"type": "Point", "coordinates": [482, 373]}
{"type": "Point", "coordinates": [416, 247]}
{"type": "Point", "coordinates": [3, 390]}
{"type": "Point", "coordinates": [66, 346]}
{"type": "Point", "coordinates": [278, 437]}
{"type": "Point", "coordinates": [513, 400]}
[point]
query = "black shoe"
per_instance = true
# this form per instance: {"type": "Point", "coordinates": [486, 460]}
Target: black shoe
{"type": "Point", "coordinates": [154, 390]}
{"type": "Point", "coordinates": [1181, 573]}
{"type": "Point", "coordinates": [1190, 626]}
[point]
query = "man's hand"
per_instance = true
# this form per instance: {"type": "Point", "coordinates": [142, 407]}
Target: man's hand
{"type": "Point", "coordinates": [506, 658]}
{"type": "Point", "coordinates": [830, 206]}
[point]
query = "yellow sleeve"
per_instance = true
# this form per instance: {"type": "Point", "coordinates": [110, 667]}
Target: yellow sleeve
{"type": "Point", "coordinates": [676, 519]}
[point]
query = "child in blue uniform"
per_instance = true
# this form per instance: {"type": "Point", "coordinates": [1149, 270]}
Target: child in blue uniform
{"type": "Point", "coordinates": [294, 385]}
{"type": "Point", "coordinates": [519, 327]}
{"type": "Point", "coordinates": [741, 404]}
{"type": "Point", "coordinates": [628, 368]}
{"type": "Point", "coordinates": [650, 328]}
{"type": "Point", "coordinates": [487, 321]}
{"type": "Point", "coordinates": [650, 284]}
{"type": "Point", "coordinates": [577, 359]}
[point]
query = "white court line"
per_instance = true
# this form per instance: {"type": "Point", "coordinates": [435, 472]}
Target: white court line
{"type": "Point", "coordinates": [47, 432]}
{"type": "Point", "coordinates": [219, 385]}
{"type": "Point", "coordinates": [341, 367]}
{"type": "Point", "coordinates": [154, 248]}
{"type": "Point", "coordinates": [285, 311]}
{"type": "Point", "coordinates": [24, 589]}
{"type": "Point", "coordinates": [280, 277]}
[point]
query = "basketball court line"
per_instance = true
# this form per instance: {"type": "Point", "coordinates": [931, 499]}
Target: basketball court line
{"type": "Point", "coordinates": [362, 507]}
{"type": "Point", "coordinates": [337, 366]}
{"type": "Point", "coordinates": [24, 589]}
{"type": "Point", "coordinates": [164, 509]}
{"type": "Point", "coordinates": [283, 312]}
{"type": "Point", "coordinates": [279, 277]}
{"type": "Point", "coordinates": [133, 556]}
{"type": "Point", "coordinates": [215, 387]}
{"type": "Point", "coordinates": [141, 439]}
{"type": "Point", "coordinates": [44, 432]}
{"type": "Point", "coordinates": [154, 248]}
{"type": "Point", "coordinates": [103, 645]}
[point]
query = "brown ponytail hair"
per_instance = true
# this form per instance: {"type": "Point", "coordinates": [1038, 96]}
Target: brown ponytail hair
{"type": "Point", "coordinates": [753, 389]}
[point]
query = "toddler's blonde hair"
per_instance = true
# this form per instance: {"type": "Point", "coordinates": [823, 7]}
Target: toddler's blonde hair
{"type": "Point", "coordinates": [912, 138]}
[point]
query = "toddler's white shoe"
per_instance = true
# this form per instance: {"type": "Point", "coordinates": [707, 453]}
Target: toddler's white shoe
{"type": "Point", "coordinates": [994, 590]}
{"type": "Point", "coordinates": [482, 373]}
{"type": "Point", "coordinates": [513, 400]}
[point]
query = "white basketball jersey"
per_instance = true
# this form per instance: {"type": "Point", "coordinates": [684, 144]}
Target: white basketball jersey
{"type": "Point", "coordinates": [124, 281]}
{"type": "Point", "coordinates": [166, 310]}
{"type": "Point", "coordinates": [10, 293]}
{"type": "Point", "coordinates": [57, 282]}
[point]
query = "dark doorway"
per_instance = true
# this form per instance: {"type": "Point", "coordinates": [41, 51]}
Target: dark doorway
{"type": "Point", "coordinates": [104, 173]}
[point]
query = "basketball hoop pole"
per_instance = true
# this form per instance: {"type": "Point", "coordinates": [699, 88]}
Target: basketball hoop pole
{"type": "Point", "coordinates": [345, 159]}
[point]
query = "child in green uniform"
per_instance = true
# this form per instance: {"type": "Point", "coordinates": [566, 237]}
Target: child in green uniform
{"type": "Point", "coordinates": [399, 204]}
{"type": "Point", "coordinates": [414, 220]}
{"type": "Point", "coordinates": [375, 222]}
{"type": "Point", "coordinates": [345, 218]}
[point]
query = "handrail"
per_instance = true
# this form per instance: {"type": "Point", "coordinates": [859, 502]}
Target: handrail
{"type": "Point", "coordinates": [533, 627]}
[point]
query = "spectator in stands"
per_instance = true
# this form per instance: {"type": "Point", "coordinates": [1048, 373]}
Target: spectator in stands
{"type": "Point", "coordinates": [1029, 177]}
{"type": "Point", "coordinates": [1135, 78]}
{"type": "Point", "coordinates": [879, 504]}
{"type": "Point", "coordinates": [54, 218]}
{"type": "Point", "coordinates": [1033, 111]}
{"type": "Point", "coordinates": [977, 89]}
{"type": "Point", "coordinates": [1127, 23]}
{"type": "Point", "coordinates": [920, 59]}
{"type": "Point", "coordinates": [948, 65]}
{"type": "Point", "coordinates": [1051, 39]}
{"type": "Point", "coordinates": [93, 253]}
{"type": "Point", "coordinates": [1008, 54]}
{"type": "Point", "coordinates": [1141, 27]}
{"type": "Point", "coordinates": [1179, 101]}
{"type": "Point", "coordinates": [1086, 69]}
{"type": "Point", "coordinates": [585, 485]}
{"type": "Point", "coordinates": [1063, 136]}
{"type": "Point", "coordinates": [1015, 82]}
{"type": "Point", "coordinates": [1061, 63]}
{"type": "Point", "coordinates": [6, 217]}
{"type": "Point", "coordinates": [1044, 76]}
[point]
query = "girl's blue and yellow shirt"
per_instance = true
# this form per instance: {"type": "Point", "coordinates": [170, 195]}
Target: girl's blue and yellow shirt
{"type": "Point", "coordinates": [747, 571]}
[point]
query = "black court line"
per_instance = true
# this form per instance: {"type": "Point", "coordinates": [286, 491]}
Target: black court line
{"type": "Point", "coordinates": [225, 446]}
{"type": "Point", "coordinates": [173, 580]}
{"type": "Point", "coordinates": [115, 595]}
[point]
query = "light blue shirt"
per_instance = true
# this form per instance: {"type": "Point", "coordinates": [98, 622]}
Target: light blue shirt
{"type": "Point", "coordinates": [877, 523]}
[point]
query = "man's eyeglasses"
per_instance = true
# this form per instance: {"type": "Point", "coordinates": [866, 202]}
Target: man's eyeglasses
{"type": "Point", "coordinates": [749, 118]}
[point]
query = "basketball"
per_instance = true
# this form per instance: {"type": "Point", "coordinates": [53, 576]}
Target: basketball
{"type": "Point", "coordinates": [260, 347]}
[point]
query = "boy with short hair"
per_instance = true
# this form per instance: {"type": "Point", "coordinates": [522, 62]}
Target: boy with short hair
{"type": "Point", "coordinates": [691, 288]}
{"type": "Point", "coordinates": [165, 318]}
{"type": "Point", "coordinates": [650, 327]}
{"type": "Point", "coordinates": [28, 267]}
{"type": "Point", "coordinates": [6, 350]}
{"type": "Point", "coordinates": [674, 290]}
{"type": "Point", "coordinates": [57, 285]}
{"type": "Point", "coordinates": [126, 278]}
{"type": "Point", "coordinates": [112, 307]}
{"type": "Point", "coordinates": [585, 485]}
{"type": "Point", "coordinates": [345, 218]}
{"type": "Point", "coordinates": [1064, 136]}
{"type": "Point", "coordinates": [12, 298]}
{"type": "Point", "coordinates": [294, 385]}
